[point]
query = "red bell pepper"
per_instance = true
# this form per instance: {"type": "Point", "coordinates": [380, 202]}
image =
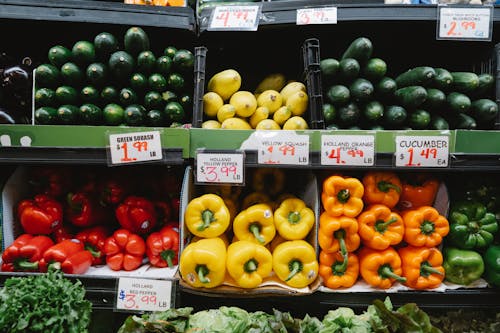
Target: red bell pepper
{"type": "Point", "coordinates": [162, 247]}
{"type": "Point", "coordinates": [113, 192]}
{"type": "Point", "coordinates": [52, 181]}
{"type": "Point", "coordinates": [124, 250]}
{"type": "Point", "coordinates": [42, 215]}
{"type": "Point", "coordinates": [93, 241]}
{"type": "Point", "coordinates": [85, 211]}
{"type": "Point", "coordinates": [61, 233]}
{"type": "Point", "coordinates": [136, 214]}
{"type": "Point", "coordinates": [25, 253]}
{"type": "Point", "coordinates": [163, 212]}
{"type": "Point", "coordinates": [69, 255]}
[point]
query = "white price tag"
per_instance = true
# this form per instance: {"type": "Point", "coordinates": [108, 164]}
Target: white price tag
{"type": "Point", "coordinates": [422, 151]}
{"type": "Point", "coordinates": [143, 294]}
{"type": "Point", "coordinates": [325, 15]}
{"type": "Point", "coordinates": [467, 23]}
{"type": "Point", "coordinates": [219, 168]}
{"type": "Point", "coordinates": [346, 150]}
{"type": "Point", "coordinates": [135, 147]}
{"type": "Point", "coordinates": [235, 18]}
{"type": "Point", "coordinates": [283, 147]}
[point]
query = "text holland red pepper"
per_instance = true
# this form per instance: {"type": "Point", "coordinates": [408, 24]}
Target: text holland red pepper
{"type": "Point", "coordinates": [93, 241]}
{"type": "Point", "coordinates": [85, 211]}
{"type": "Point", "coordinates": [124, 250]}
{"type": "Point", "coordinates": [69, 256]}
{"type": "Point", "coordinates": [136, 214]}
{"type": "Point", "coordinates": [41, 215]}
{"type": "Point", "coordinates": [25, 253]}
{"type": "Point", "coordinates": [162, 247]}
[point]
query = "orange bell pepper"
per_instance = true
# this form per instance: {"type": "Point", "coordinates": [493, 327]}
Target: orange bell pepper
{"type": "Point", "coordinates": [424, 226]}
{"type": "Point", "coordinates": [380, 269]}
{"type": "Point", "coordinates": [422, 267]}
{"type": "Point", "coordinates": [382, 187]}
{"type": "Point", "coordinates": [337, 232]}
{"type": "Point", "coordinates": [342, 196]}
{"type": "Point", "coordinates": [338, 270]}
{"type": "Point", "coordinates": [379, 227]}
{"type": "Point", "coordinates": [418, 190]}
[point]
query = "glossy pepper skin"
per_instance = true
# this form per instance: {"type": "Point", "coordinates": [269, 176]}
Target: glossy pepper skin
{"type": "Point", "coordinates": [63, 232]}
{"type": "Point", "coordinates": [255, 224]}
{"type": "Point", "coordinates": [335, 231]}
{"type": "Point", "coordinates": [113, 191]}
{"type": "Point", "coordinates": [124, 250]}
{"type": "Point", "coordinates": [203, 263]}
{"type": "Point", "coordinates": [462, 266]}
{"type": "Point", "coordinates": [268, 180]}
{"type": "Point", "coordinates": [379, 227]}
{"type": "Point", "coordinates": [293, 219]}
{"type": "Point", "coordinates": [382, 187]}
{"type": "Point", "coordinates": [248, 263]}
{"type": "Point", "coordinates": [162, 247]}
{"type": "Point", "coordinates": [342, 196]}
{"type": "Point", "coordinates": [207, 216]}
{"type": "Point", "coordinates": [41, 215]}
{"type": "Point", "coordinates": [25, 253]}
{"type": "Point", "coordinates": [424, 226]}
{"type": "Point", "coordinates": [51, 181]}
{"type": "Point", "coordinates": [136, 214]}
{"type": "Point", "coordinates": [380, 269]}
{"type": "Point", "coordinates": [417, 191]}
{"type": "Point", "coordinates": [69, 255]}
{"type": "Point", "coordinates": [492, 265]}
{"type": "Point", "coordinates": [93, 239]}
{"type": "Point", "coordinates": [294, 262]}
{"type": "Point", "coordinates": [338, 270]}
{"type": "Point", "coordinates": [422, 267]}
{"type": "Point", "coordinates": [83, 210]}
{"type": "Point", "coordinates": [472, 226]}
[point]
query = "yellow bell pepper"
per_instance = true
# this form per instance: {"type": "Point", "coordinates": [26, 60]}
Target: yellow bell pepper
{"type": "Point", "coordinates": [256, 224]}
{"type": "Point", "coordinates": [248, 263]}
{"type": "Point", "coordinates": [295, 263]}
{"type": "Point", "coordinates": [255, 198]}
{"type": "Point", "coordinates": [268, 180]}
{"type": "Point", "coordinates": [223, 236]}
{"type": "Point", "coordinates": [293, 219]}
{"type": "Point", "coordinates": [203, 263]}
{"type": "Point", "coordinates": [207, 216]}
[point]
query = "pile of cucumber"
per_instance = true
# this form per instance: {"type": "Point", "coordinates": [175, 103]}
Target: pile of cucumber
{"type": "Point", "coordinates": [359, 94]}
{"type": "Point", "coordinates": [101, 83]}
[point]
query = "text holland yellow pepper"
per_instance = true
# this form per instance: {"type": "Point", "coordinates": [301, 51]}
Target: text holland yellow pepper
{"type": "Point", "coordinates": [342, 196]}
{"type": "Point", "coordinates": [207, 216]}
{"type": "Point", "coordinates": [255, 224]}
{"type": "Point", "coordinates": [248, 263]}
{"type": "Point", "coordinates": [203, 263]}
{"type": "Point", "coordinates": [293, 219]}
{"type": "Point", "coordinates": [295, 263]}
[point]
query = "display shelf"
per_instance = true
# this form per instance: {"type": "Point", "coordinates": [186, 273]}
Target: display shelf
{"type": "Point", "coordinates": [99, 12]}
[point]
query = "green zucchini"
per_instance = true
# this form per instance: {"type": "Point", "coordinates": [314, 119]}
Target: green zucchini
{"type": "Point", "coordinates": [458, 102]}
{"type": "Point", "coordinates": [465, 82]}
{"type": "Point", "coordinates": [360, 49]}
{"type": "Point", "coordinates": [418, 76]}
{"type": "Point", "coordinates": [411, 96]}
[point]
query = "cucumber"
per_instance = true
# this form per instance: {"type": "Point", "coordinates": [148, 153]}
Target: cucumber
{"type": "Point", "coordinates": [349, 69]}
{"type": "Point", "coordinates": [385, 88]}
{"type": "Point", "coordinates": [443, 79]}
{"type": "Point", "coordinates": [464, 121]}
{"type": "Point", "coordinates": [419, 119]}
{"type": "Point", "coordinates": [458, 102]}
{"type": "Point", "coordinates": [329, 67]}
{"type": "Point", "coordinates": [418, 76]}
{"type": "Point", "coordinates": [394, 115]}
{"type": "Point", "coordinates": [135, 41]}
{"type": "Point", "coordinates": [438, 123]}
{"type": "Point", "coordinates": [361, 90]}
{"type": "Point", "coordinates": [484, 110]}
{"type": "Point", "coordinates": [373, 111]}
{"type": "Point", "coordinates": [360, 49]}
{"type": "Point", "coordinates": [338, 95]}
{"type": "Point", "coordinates": [411, 96]}
{"type": "Point", "coordinates": [435, 99]}
{"type": "Point", "coordinates": [348, 114]}
{"type": "Point", "coordinates": [374, 69]}
{"type": "Point", "coordinates": [121, 64]}
{"type": "Point", "coordinates": [486, 85]}
{"type": "Point", "coordinates": [465, 82]}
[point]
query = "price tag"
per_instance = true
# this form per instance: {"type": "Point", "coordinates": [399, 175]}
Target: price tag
{"type": "Point", "coordinates": [422, 151]}
{"type": "Point", "coordinates": [326, 15]}
{"type": "Point", "coordinates": [135, 147]}
{"type": "Point", "coordinates": [235, 18]}
{"type": "Point", "coordinates": [465, 23]}
{"type": "Point", "coordinates": [283, 147]}
{"type": "Point", "coordinates": [219, 168]}
{"type": "Point", "coordinates": [346, 150]}
{"type": "Point", "coordinates": [143, 294]}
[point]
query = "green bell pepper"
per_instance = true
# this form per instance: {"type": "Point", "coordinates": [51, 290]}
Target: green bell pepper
{"type": "Point", "coordinates": [492, 265]}
{"type": "Point", "coordinates": [471, 225]}
{"type": "Point", "coordinates": [462, 266]}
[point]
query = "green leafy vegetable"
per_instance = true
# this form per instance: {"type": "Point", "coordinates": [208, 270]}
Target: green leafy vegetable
{"type": "Point", "coordinates": [344, 320]}
{"type": "Point", "coordinates": [168, 321]}
{"type": "Point", "coordinates": [218, 320]}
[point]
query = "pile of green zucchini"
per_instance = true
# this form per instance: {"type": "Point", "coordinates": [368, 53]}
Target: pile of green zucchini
{"type": "Point", "coordinates": [358, 94]}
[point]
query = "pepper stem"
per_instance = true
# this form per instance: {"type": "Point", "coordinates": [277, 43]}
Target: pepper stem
{"type": "Point", "coordinates": [25, 265]}
{"type": "Point", "coordinates": [295, 266]}
{"type": "Point", "coordinates": [255, 230]}
{"type": "Point", "coordinates": [208, 217]}
{"type": "Point", "coordinates": [251, 266]}
{"type": "Point", "coordinates": [93, 251]}
{"type": "Point", "coordinates": [168, 256]}
{"type": "Point", "coordinates": [426, 269]}
{"type": "Point", "coordinates": [427, 227]}
{"type": "Point", "coordinates": [294, 217]}
{"type": "Point", "coordinates": [343, 195]}
{"type": "Point", "coordinates": [339, 268]}
{"type": "Point", "coordinates": [75, 207]}
{"type": "Point", "coordinates": [202, 272]}
{"type": "Point", "coordinates": [385, 186]}
{"type": "Point", "coordinates": [381, 225]}
{"type": "Point", "coordinates": [385, 271]}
